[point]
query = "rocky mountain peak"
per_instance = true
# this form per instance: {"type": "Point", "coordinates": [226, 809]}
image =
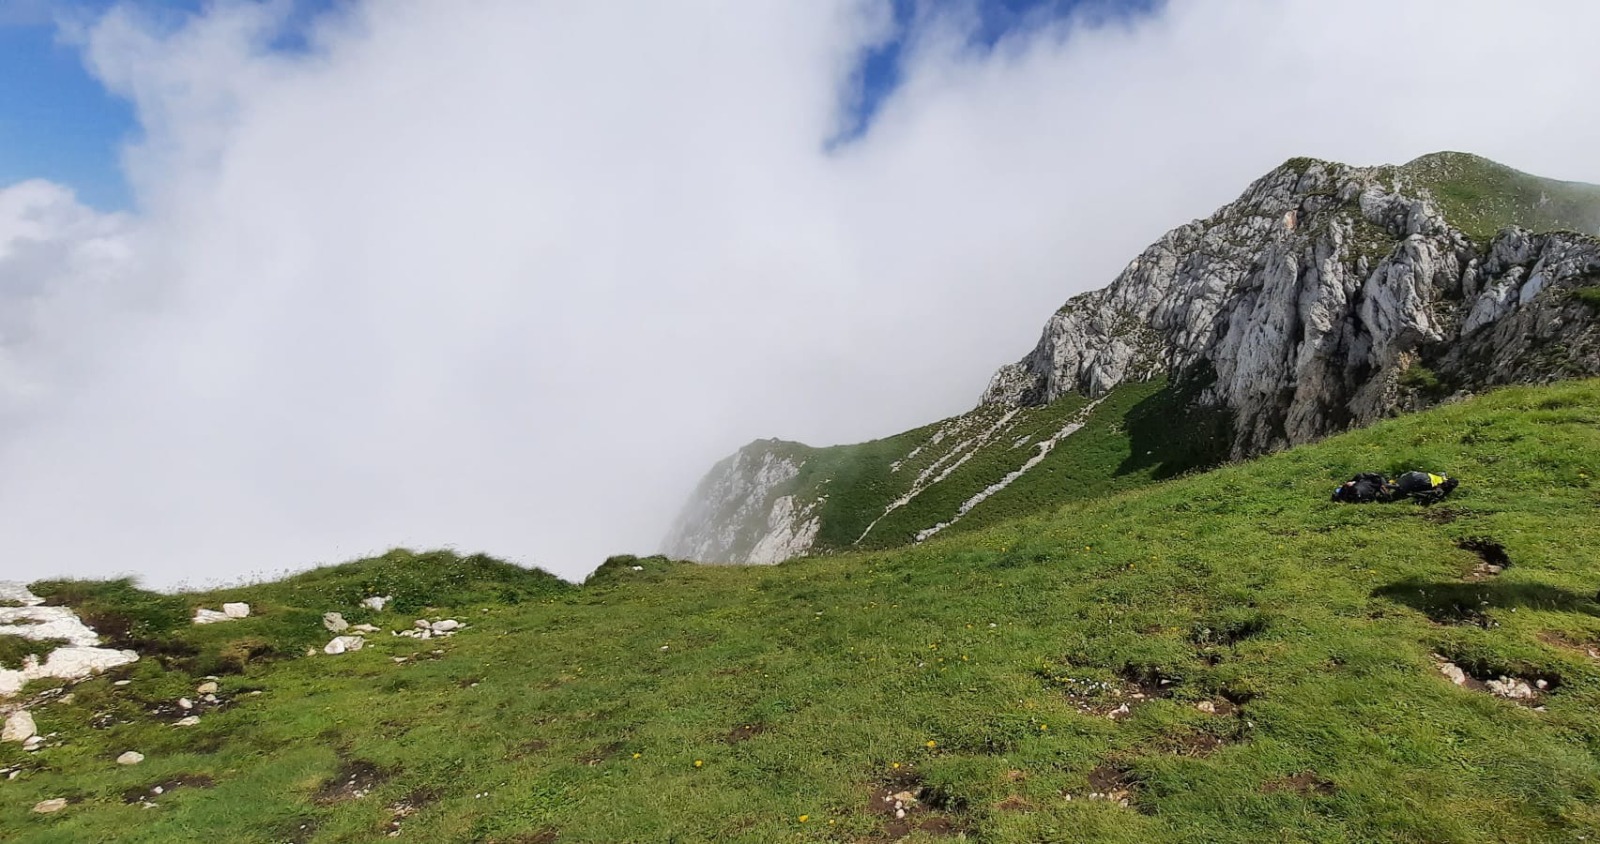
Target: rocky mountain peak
{"type": "Point", "coordinates": [1325, 294]}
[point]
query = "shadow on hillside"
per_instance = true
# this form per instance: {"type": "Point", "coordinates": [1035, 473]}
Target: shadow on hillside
{"type": "Point", "coordinates": [1171, 433]}
{"type": "Point", "coordinates": [1454, 602]}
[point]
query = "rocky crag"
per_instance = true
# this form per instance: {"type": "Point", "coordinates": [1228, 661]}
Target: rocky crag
{"type": "Point", "coordinates": [1325, 297]}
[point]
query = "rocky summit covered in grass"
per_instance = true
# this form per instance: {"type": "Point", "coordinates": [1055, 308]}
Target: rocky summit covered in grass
{"type": "Point", "coordinates": [1222, 657]}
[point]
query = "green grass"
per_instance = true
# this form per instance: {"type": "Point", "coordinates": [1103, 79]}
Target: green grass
{"type": "Point", "coordinates": [800, 688]}
{"type": "Point", "coordinates": [1128, 439]}
{"type": "Point", "coordinates": [14, 650]}
{"type": "Point", "coordinates": [1481, 197]}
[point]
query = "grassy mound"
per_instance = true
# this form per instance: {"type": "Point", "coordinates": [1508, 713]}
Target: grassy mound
{"type": "Point", "coordinates": [1481, 197]}
{"type": "Point", "coordinates": [1225, 657]}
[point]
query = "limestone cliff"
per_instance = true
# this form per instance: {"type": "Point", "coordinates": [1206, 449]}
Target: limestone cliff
{"type": "Point", "coordinates": [1329, 296]}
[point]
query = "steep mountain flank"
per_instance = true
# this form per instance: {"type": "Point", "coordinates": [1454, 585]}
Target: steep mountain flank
{"type": "Point", "coordinates": [1325, 297]}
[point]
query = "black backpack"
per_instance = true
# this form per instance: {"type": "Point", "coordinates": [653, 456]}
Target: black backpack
{"type": "Point", "coordinates": [1364, 488]}
{"type": "Point", "coordinates": [1423, 487]}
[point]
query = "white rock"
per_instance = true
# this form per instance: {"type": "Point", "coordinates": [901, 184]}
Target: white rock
{"type": "Point", "coordinates": [132, 757]}
{"type": "Point", "coordinates": [185, 703]}
{"type": "Point", "coordinates": [121, 683]}
{"type": "Point", "coordinates": [334, 622]}
{"type": "Point", "coordinates": [1207, 707]}
{"type": "Point", "coordinates": [238, 609]}
{"type": "Point", "coordinates": [188, 721]}
{"type": "Point", "coordinates": [209, 687]}
{"type": "Point", "coordinates": [55, 804]}
{"type": "Point", "coordinates": [33, 743]}
{"type": "Point", "coordinates": [19, 727]}
{"type": "Point", "coordinates": [12, 592]}
{"type": "Point", "coordinates": [445, 626]}
{"type": "Point", "coordinates": [68, 663]}
{"type": "Point", "coordinates": [422, 624]}
{"type": "Point", "coordinates": [1510, 688]}
{"type": "Point", "coordinates": [205, 616]}
{"type": "Point", "coordinates": [343, 644]}
{"type": "Point", "coordinates": [363, 628]}
{"type": "Point", "coordinates": [638, 568]}
{"type": "Point", "coordinates": [376, 602]}
{"type": "Point", "coordinates": [1454, 672]}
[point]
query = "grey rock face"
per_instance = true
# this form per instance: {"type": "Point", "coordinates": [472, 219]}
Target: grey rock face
{"type": "Point", "coordinates": [740, 513]}
{"type": "Point", "coordinates": [1301, 305]}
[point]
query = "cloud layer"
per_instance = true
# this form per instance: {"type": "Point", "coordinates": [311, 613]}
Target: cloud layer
{"type": "Point", "coordinates": [509, 276]}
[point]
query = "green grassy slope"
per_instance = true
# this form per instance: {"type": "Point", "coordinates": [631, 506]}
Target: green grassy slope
{"type": "Point", "coordinates": [1481, 196]}
{"type": "Point", "coordinates": [865, 491]}
{"type": "Point", "coordinates": [976, 671]}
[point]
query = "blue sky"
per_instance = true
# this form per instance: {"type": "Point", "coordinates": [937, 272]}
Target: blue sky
{"type": "Point", "coordinates": [58, 123]}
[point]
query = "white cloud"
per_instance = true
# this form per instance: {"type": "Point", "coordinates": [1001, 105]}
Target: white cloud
{"type": "Point", "coordinates": [510, 275]}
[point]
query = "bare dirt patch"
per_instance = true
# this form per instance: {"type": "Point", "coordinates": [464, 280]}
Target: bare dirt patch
{"type": "Point", "coordinates": [1305, 783]}
{"type": "Point", "coordinates": [354, 780]}
{"type": "Point", "coordinates": [407, 806]}
{"type": "Point", "coordinates": [1492, 558]}
{"type": "Point", "coordinates": [596, 755]}
{"type": "Point", "coordinates": [150, 793]}
{"type": "Point", "coordinates": [1116, 699]}
{"type": "Point", "coordinates": [744, 733]}
{"type": "Point", "coordinates": [1523, 687]}
{"type": "Point", "coordinates": [906, 805]}
{"type": "Point", "coordinates": [1109, 783]}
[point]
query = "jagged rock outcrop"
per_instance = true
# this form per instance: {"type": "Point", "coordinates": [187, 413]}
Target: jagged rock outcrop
{"type": "Point", "coordinates": [738, 515]}
{"type": "Point", "coordinates": [1326, 296]}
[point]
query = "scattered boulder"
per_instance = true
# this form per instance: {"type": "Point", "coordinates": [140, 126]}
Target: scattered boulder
{"type": "Point", "coordinates": [132, 757]}
{"type": "Point", "coordinates": [445, 626]}
{"type": "Point", "coordinates": [1454, 673]}
{"type": "Point", "coordinates": [189, 721]}
{"type": "Point", "coordinates": [55, 804]}
{"type": "Point", "coordinates": [1511, 688]}
{"type": "Point", "coordinates": [335, 622]}
{"type": "Point", "coordinates": [205, 616]}
{"type": "Point", "coordinates": [376, 602]}
{"type": "Point", "coordinates": [236, 610]}
{"type": "Point", "coordinates": [363, 628]}
{"type": "Point", "coordinates": [33, 743]}
{"type": "Point", "coordinates": [209, 687]}
{"type": "Point", "coordinates": [342, 644]}
{"type": "Point", "coordinates": [19, 727]}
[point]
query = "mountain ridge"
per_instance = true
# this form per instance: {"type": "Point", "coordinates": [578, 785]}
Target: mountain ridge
{"type": "Point", "coordinates": [1325, 297]}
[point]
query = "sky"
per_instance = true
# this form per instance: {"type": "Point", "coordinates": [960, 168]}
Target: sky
{"type": "Point", "coordinates": [287, 283]}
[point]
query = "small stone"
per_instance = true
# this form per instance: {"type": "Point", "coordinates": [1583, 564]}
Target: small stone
{"type": "Point", "coordinates": [422, 624]}
{"type": "Point", "coordinates": [209, 687]}
{"type": "Point", "coordinates": [665, 647]}
{"type": "Point", "coordinates": [19, 727]}
{"type": "Point", "coordinates": [68, 697]}
{"type": "Point", "coordinates": [132, 757]}
{"type": "Point", "coordinates": [1454, 673]}
{"type": "Point", "coordinates": [238, 609]}
{"type": "Point", "coordinates": [33, 743]}
{"type": "Point", "coordinates": [344, 644]}
{"type": "Point", "coordinates": [376, 602]}
{"type": "Point", "coordinates": [334, 622]}
{"type": "Point", "coordinates": [445, 626]}
{"type": "Point", "coordinates": [187, 722]}
{"type": "Point", "coordinates": [210, 698]}
{"type": "Point", "coordinates": [363, 628]}
{"type": "Point", "coordinates": [45, 807]}
{"type": "Point", "coordinates": [1542, 684]}
{"type": "Point", "coordinates": [205, 616]}
{"type": "Point", "coordinates": [638, 568]}
{"type": "Point", "coordinates": [1207, 707]}
{"type": "Point", "coordinates": [122, 682]}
